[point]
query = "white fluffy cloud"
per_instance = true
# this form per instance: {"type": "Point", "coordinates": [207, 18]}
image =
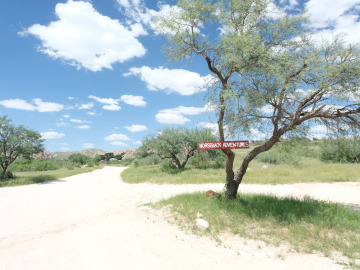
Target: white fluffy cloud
{"type": "Point", "coordinates": [88, 145]}
{"type": "Point", "coordinates": [38, 105]}
{"type": "Point", "coordinates": [52, 135]}
{"type": "Point", "coordinates": [42, 106]}
{"type": "Point", "coordinates": [318, 132]}
{"type": "Point", "coordinates": [78, 121]}
{"type": "Point", "coordinates": [111, 103]}
{"type": "Point", "coordinates": [111, 107]}
{"type": "Point", "coordinates": [212, 126]}
{"type": "Point", "coordinates": [120, 144]}
{"type": "Point", "coordinates": [134, 100]}
{"type": "Point", "coordinates": [179, 81]}
{"type": "Point", "coordinates": [136, 128]}
{"type": "Point", "coordinates": [176, 115]}
{"type": "Point", "coordinates": [117, 137]}
{"type": "Point", "coordinates": [87, 106]}
{"type": "Point", "coordinates": [18, 104]}
{"type": "Point", "coordinates": [84, 127]}
{"type": "Point", "coordinates": [85, 38]}
{"type": "Point", "coordinates": [335, 17]}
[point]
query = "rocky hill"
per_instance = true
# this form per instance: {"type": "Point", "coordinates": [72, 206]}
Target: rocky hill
{"type": "Point", "coordinates": [129, 153]}
{"type": "Point", "coordinates": [87, 152]}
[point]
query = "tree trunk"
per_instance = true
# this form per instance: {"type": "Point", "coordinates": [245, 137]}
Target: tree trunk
{"type": "Point", "coordinates": [233, 183]}
{"type": "Point", "coordinates": [3, 174]}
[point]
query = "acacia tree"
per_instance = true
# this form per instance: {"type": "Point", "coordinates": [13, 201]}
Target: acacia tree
{"type": "Point", "coordinates": [15, 142]}
{"type": "Point", "coordinates": [176, 144]}
{"type": "Point", "coordinates": [269, 73]}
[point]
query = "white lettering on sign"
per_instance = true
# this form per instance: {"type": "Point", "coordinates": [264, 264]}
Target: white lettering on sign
{"type": "Point", "coordinates": [224, 145]}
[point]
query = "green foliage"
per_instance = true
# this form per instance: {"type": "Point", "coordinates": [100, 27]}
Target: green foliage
{"type": "Point", "coordinates": [127, 161]}
{"type": "Point", "coordinates": [135, 163]}
{"type": "Point", "coordinates": [79, 158]}
{"type": "Point", "coordinates": [9, 175]}
{"type": "Point", "coordinates": [15, 142]}
{"type": "Point", "coordinates": [28, 165]}
{"type": "Point", "coordinates": [259, 64]}
{"type": "Point", "coordinates": [97, 159]}
{"type": "Point", "coordinates": [306, 225]}
{"type": "Point", "coordinates": [26, 178]}
{"type": "Point", "coordinates": [177, 144]}
{"type": "Point", "coordinates": [208, 159]}
{"type": "Point", "coordinates": [119, 157]}
{"type": "Point", "coordinates": [341, 149]}
{"type": "Point", "coordinates": [290, 151]}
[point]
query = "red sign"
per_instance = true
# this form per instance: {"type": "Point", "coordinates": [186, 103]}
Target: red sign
{"type": "Point", "coordinates": [224, 145]}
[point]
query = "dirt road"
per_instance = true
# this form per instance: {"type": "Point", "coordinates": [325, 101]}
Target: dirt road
{"type": "Point", "coordinates": [95, 221]}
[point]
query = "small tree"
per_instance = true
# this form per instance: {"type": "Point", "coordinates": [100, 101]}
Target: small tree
{"type": "Point", "coordinates": [177, 144]}
{"type": "Point", "coordinates": [109, 156]}
{"type": "Point", "coordinates": [268, 72]}
{"type": "Point", "coordinates": [79, 158]}
{"type": "Point", "coordinates": [15, 142]}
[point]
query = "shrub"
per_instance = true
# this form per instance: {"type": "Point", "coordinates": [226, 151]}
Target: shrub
{"type": "Point", "coordinates": [286, 152]}
{"type": "Point", "coordinates": [127, 161]}
{"type": "Point", "coordinates": [35, 165]}
{"type": "Point", "coordinates": [9, 175]}
{"type": "Point", "coordinates": [79, 158]}
{"type": "Point", "coordinates": [341, 149]}
{"type": "Point", "coordinates": [149, 160]}
{"type": "Point", "coordinates": [214, 159]}
{"type": "Point", "coordinates": [135, 163]}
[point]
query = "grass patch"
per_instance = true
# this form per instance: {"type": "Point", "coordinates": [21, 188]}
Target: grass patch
{"type": "Point", "coordinates": [155, 175]}
{"type": "Point", "coordinates": [306, 225]}
{"type": "Point", "coordinates": [26, 178]}
{"type": "Point", "coordinates": [311, 170]}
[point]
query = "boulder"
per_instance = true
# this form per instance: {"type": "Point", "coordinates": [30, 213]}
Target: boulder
{"type": "Point", "coordinates": [201, 224]}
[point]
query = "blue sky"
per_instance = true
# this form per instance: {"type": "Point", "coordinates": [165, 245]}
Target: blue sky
{"type": "Point", "coordinates": [91, 74]}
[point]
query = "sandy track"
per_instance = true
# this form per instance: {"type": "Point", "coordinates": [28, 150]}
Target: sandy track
{"type": "Point", "coordinates": [95, 221]}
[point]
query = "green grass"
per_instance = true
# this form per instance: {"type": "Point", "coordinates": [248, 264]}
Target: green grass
{"type": "Point", "coordinates": [155, 175]}
{"type": "Point", "coordinates": [311, 170]}
{"type": "Point", "coordinates": [26, 178]}
{"type": "Point", "coordinates": [307, 226]}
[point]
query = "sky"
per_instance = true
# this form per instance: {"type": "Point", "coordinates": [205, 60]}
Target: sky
{"type": "Point", "coordinates": [92, 74]}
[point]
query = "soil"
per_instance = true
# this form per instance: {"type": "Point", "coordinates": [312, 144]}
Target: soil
{"type": "Point", "coordinates": [95, 221]}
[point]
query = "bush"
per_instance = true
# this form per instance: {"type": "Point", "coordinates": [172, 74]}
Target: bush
{"type": "Point", "coordinates": [341, 150]}
{"type": "Point", "coordinates": [79, 158]}
{"type": "Point", "coordinates": [9, 175]}
{"type": "Point", "coordinates": [214, 159]}
{"type": "Point", "coordinates": [127, 161]}
{"type": "Point", "coordinates": [168, 167]}
{"type": "Point", "coordinates": [135, 163]}
{"type": "Point", "coordinates": [149, 160]}
{"type": "Point", "coordinates": [35, 165]}
{"type": "Point", "coordinates": [286, 152]}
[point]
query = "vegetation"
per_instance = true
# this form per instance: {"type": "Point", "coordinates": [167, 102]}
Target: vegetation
{"type": "Point", "coordinates": [293, 160]}
{"type": "Point", "coordinates": [79, 158]}
{"type": "Point", "coordinates": [341, 149]}
{"type": "Point", "coordinates": [178, 145]}
{"type": "Point", "coordinates": [34, 177]}
{"type": "Point", "coordinates": [307, 225]}
{"type": "Point", "coordinates": [259, 63]}
{"type": "Point", "coordinates": [16, 142]}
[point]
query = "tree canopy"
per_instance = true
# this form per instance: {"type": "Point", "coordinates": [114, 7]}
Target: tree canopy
{"type": "Point", "coordinates": [178, 145]}
{"type": "Point", "coordinates": [269, 73]}
{"type": "Point", "coordinates": [15, 142]}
